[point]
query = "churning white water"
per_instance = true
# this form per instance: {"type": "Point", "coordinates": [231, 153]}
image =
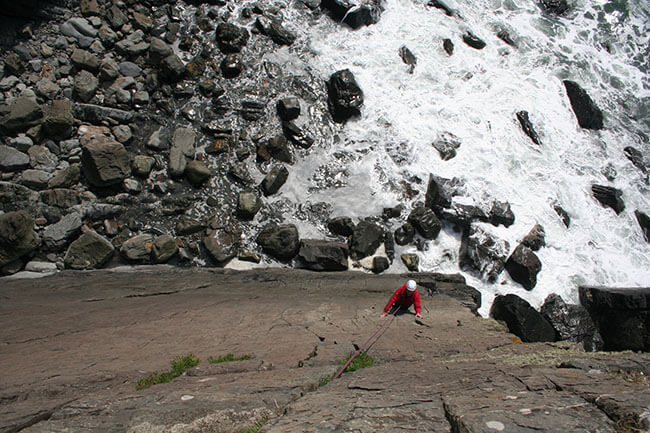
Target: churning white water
{"type": "Point", "coordinates": [474, 94]}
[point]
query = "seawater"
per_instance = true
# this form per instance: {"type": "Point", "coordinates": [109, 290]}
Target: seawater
{"type": "Point", "coordinates": [474, 94]}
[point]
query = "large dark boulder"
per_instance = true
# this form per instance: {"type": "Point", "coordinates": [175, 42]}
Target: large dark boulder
{"type": "Point", "coordinates": [404, 234]}
{"type": "Point", "coordinates": [442, 6]}
{"type": "Point", "coordinates": [557, 7]}
{"type": "Point", "coordinates": [138, 248]}
{"type": "Point", "coordinates": [89, 251]}
{"type": "Point", "coordinates": [523, 265]}
{"type": "Point", "coordinates": [483, 253]}
{"type": "Point", "coordinates": [522, 319]}
{"type": "Point", "coordinates": [22, 114]}
{"type": "Point", "coordinates": [105, 164]}
{"type": "Point", "coordinates": [588, 114]}
{"type": "Point", "coordinates": [231, 38]}
{"type": "Point", "coordinates": [462, 214]}
{"type": "Point", "coordinates": [342, 226]}
{"type": "Point", "coordinates": [223, 243]}
{"type": "Point", "coordinates": [366, 238]}
{"type": "Point", "coordinates": [17, 236]}
{"type": "Point", "coordinates": [288, 108]}
{"type": "Point", "coordinates": [345, 97]}
{"type": "Point", "coordinates": [636, 157]}
{"type": "Point", "coordinates": [644, 223]}
{"type": "Point", "coordinates": [622, 315]}
{"type": "Point", "coordinates": [274, 180]}
{"type": "Point", "coordinates": [274, 29]}
{"type": "Point", "coordinates": [527, 126]}
{"type": "Point", "coordinates": [609, 197]}
{"type": "Point", "coordinates": [473, 41]}
{"type": "Point", "coordinates": [355, 13]}
{"type": "Point", "coordinates": [571, 323]}
{"type": "Point", "coordinates": [501, 213]}
{"type": "Point", "coordinates": [318, 255]}
{"type": "Point", "coordinates": [12, 159]}
{"type": "Point", "coordinates": [425, 222]}
{"type": "Point", "coordinates": [59, 119]}
{"type": "Point", "coordinates": [536, 238]}
{"type": "Point", "coordinates": [280, 241]}
{"type": "Point", "coordinates": [440, 191]}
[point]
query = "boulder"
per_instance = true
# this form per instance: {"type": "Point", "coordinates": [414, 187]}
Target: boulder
{"type": "Point", "coordinates": [248, 204]}
{"type": "Point", "coordinates": [279, 241]}
{"type": "Point", "coordinates": [187, 226]}
{"type": "Point", "coordinates": [172, 69]}
{"type": "Point", "coordinates": [636, 157]}
{"type": "Point", "coordinates": [411, 261]}
{"type": "Point", "coordinates": [41, 158]}
{"type": "Point", "coordinates": [523, 265]}
{"type": "Point", "coordinates": [442, 6]}
{"type": "Point", "coordinates": [473, 41]}
{"type": "Point", "coordinates": [278, 148]}
{"type": "Point", "coordinates": [57, 235]}
{"type": "Point", "coordinates": [231, 66]}
{"type": "Point", "coordinates": [97, 114]}
{"type": "Point", "coordinates": [60, 197]}
{"type": "Point", "coordinates": [297, 135]}
{"type": "Point", "coordinates": [12, 159]}
{"type": "Point", "coordinates": [440, 191]}
{"type": "Point", "coordinates": [274, 180]}
{"type": "Point", "coordinates": [59, 120]}
{"type": "Point", "coordinates": [564, 216]}
{"type": "Point", "coordinates": [89, 251]}
{"type": "Point", "coordinates": [366, 238]}
{"type": "Point", "coordinates": [163, 249]}
{"type": "Point", "coordinates": [274, 29]}
{"type": "Point", "coordinates": [404, 234]}
{"type": "Point", "coordinates": [223, 244]}
{"type": "Point", "coordinates": [197, 172]}
{"type": "Point", "coordinates": [588, 114]}
{"type": "Point", "coordinates": [17, 236]}
{"type": "Point", "coordinates": [34, 179]}
{"type": "Point", "coordinates": [138, 248]}
{"type": "Point", "coordinates": [318, 255]}
{"type": "Point", "coordinates": [345, 97]}
{"type": "Point", "coordinates": [483, 253]}
{"type": "Point", "coordinates": [501, 213]}
{"type": "Point", "coordinates": [288, 108]}
{"type": "Point", "coordinates": [85, 60]}
{"type": "Point", "coordinates": [504, 35]}
{"type": "Point", "coordinates": [105, 164]}
{"type": "Point", "coordinates": [446, 144]}
{"type": "Point", "coordinates": [448, 46]}
{"type": "Point", "coordinates": [341, 226]}
{"type": "Point", "coordinates": [425, 222]}
{"type": "Point", "coordinates": [380, 264]}
{"type": "Point", "coordinates": [182, 149]}
{"type": "Point", "coordinates": [116, 17]}
{"type": "Point", "coordinates": [535, 239]}
{"type": "Point", "coordinates": [15, 197]}
{"type": "Point", "coordinates": [22, 114]}
{"type": "Point", "coordinates": [354, 13]}
{"type": "Point", "coordinates": [557, 7]}
{"type": "Point", "coordinates": [142, 165]}
{"type": "Point", "coordinates": [522, 319]}
{"type": "Point", "coordinates": [158, 50]}
{"type": "Point", "coordinates": [527, 126]}
{"type": "Point", "coordinates": [644, 223]}
{"type": "Point", "coordinates": [85, 85]}
{"type": "Point", "coordinates": [609, 197]}
{"type": "Point", "coordinates": [622, 315]}
{"type": "Point", "coordinates": [571, 323]}
{"type": "Point", "coordinates": [231, 38]}
{"type": "Point", "coordinates": [462, 214]}
{"type": "Point", "coordinates": [408, 57]}
{"type": "Point", "coordinates": [65, 178]}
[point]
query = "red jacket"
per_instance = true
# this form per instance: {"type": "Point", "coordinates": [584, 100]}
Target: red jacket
{"type": "Point", "coordinates": [402, 297]}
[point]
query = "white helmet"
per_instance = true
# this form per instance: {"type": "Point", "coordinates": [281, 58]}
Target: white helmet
{"type": "Point", "coordinates": [410, 285]}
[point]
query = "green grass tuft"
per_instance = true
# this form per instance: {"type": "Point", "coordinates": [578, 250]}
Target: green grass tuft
{"type": "Point", "coordinates": [179, 365]}
{"type": "Point", "coordinates": [228, 358]}
{"type": "Point", "coordinates": [257, 426]}
{"type": "Point", "coordinates": [362, 360]}
{"type": "Point", "coordinates": [325, 380]}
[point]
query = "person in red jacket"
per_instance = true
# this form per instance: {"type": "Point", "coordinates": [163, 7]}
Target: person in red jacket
{"type": "Point", "coordinates": [404, 297]}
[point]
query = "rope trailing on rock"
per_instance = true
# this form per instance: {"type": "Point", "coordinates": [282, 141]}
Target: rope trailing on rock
{"type": "Point", "coordinates": [387, 322]}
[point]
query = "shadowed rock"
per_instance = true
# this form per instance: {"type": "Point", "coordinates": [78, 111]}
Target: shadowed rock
{"type": "Point", "coordinates": [504, 35]}
{"type": "Point", "coordinates": [138, 248]}
{"type": "Point", "coordinates": [522, 319]}
{"type": "Point", "coordinates": [345, 98]}
{"type": "Point", "coordinates": [571, 323]}
{"type": "Point", "coordinates": [366, 238]}
{"type": "Point", "coordinates": [105, 164]}
{"type": "Point", "coordinates": [425, 222]}
{"type": "Point", "coordinates": [557, 7]}
{"type": "Point", "coordinates": [408, 57]}
{"type": "Point", "coordinates": [588, 114]}
{"type": "Point", "coordinates": [535, 239]}
{"type": "Point", "coordinates": [354, 13]}
{"type": "Point", "coordinates": [342, 226]}
{"type": "Point", "coordinates": [442, 6]}
{"type": "Point", "coordinates": [527, 126]}
{"type": "Point", "coordinates": [636, 157]}
{"type": "Point", "coordinates": [448, 46]}
{"type": "Point", "coordinates": [404, 234]}
{"type": "Point", "coordinates": [644, 223]}
{"type": "Point", "coordinates": [564, 216]}
{"type": "Point", "coordinates": [609, 197]}
{"type": "Point", "coordinates": [380, 264]}
{"type": "Point", "coordinates": [12, 159]}
{"type": "Point", "coordinates": [523, 265]}
{"type": "Point", "coordinates": [288, 108]}
{"type": "Point", "coordinates": [483, 253]}
{"type": "Point", "coordinates": [89, 251]}
{"type": "Point", "coordinates": [279, 241]}
{"type": "Point", "coordinates": [318, 255]}
{"type": "Point", "coordinates": [473, 41]}
{"type": "Point", "coordinates": [275, 30]}
{"type": "Point", "coordinates": [231, 38]}
{"type": "Point", "coordinates": [17, 236]}
{"type": "Point", "coordinates": [23, 113]}
{"type": "Point", "coordinates": [274, 180]}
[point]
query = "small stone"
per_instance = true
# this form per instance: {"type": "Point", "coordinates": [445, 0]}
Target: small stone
{"type": "Point", "coordinates": [164, 248]}
{"type": "Point", "coordinates": [122, 133]}
{"type": "Point", "coordinates": [231, 66]}
{"type": "Point", "coordinates": [289, 108]}
{"type": "Point", "coordinates": [248, 204]}
{"type": "Point", "coordinates": [12, 159]}
{"type": "Point", "coordinates": [411, 261]}
{"type": "Point", "coordinates": [197, 172]}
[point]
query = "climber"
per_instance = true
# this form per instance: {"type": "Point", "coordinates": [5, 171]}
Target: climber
{"type": "Point", "coordinates": [403, 298]}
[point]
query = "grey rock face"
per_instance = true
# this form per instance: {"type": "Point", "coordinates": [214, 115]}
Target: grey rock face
{"type": "Point", "coordinates": [483, 253]}
{"type": "Point", "coordinates": [523, 265]}
{"type": "Point", "coordinates": [24, 113]}
{"type": "Point", "coordinates": [318, 255]}
{"type": "Point", "coordinates": [57, 235]}
{"type": "Point", "coordinates": [158, 50]}
{"type": "Point", "coordinates": [41, 157]}
{"type": "Point", "coordinates": [17, 236]}
{"type": "Point", "coordinates": [12, 159]}
{"type": "Point", "coordinates": [279, 241]}
{"type": "Point", "coordinates": [138, 248]}
{"type": "Point", "coordinates": [274, 29]}
{"type": "Point", "coordinates": [366, 238]}
{"type": "Point", "coordinates": [182, 149]}
{"type": "Point", "coordinates": [105, 164]}
{"type": "Point", "coordinates": [89, 251]}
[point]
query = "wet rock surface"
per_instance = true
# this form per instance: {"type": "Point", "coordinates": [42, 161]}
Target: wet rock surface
{"type": "Point", "coordinates": [99, 333]}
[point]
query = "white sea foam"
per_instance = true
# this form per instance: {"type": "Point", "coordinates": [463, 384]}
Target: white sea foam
{"type": "Point", "coordinates": [475, 95]}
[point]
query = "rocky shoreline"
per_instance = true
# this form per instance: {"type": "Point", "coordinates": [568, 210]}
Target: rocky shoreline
{"type": "Point", "coordinates": [158, 131]}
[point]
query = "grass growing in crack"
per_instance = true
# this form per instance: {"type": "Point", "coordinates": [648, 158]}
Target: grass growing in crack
{"type": "Point", "coordinates": [179, 365]}
{"type": "Point", "coordinates": [229, 357]}
{"type": "Point", "coordinates": [325, 380]}
{"type": "Point", "coordinates": [362, 360]}
{"type": "Point", "coordinates": [257, 426]}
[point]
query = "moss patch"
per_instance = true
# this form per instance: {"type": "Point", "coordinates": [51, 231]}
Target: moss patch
{"type": "Point", "coordinates": [362, 360]}
{"type": "Point", "coordinates": [257, 426]}
{"type": "Point", "coordinates": [179, 365]}
{"type": "Point", "coordinates": [229, 357]}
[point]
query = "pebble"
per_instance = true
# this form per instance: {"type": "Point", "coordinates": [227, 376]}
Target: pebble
{"type": "Point", "coordinates": [495, 425]}
{"type": "Point", "coordinates": [186, 397]}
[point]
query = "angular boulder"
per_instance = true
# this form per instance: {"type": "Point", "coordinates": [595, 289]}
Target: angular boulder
{"type": "Point", "coordinates": [59, 119]}
{"type": "Point", "coordinates": [223, 244]}
{"type": "Point", "coordinates": [274, 29]}
{"type": "Point", "coordinates": [411, 261]}
{"type": "Point", "coordinates": [571, 323]}
{"type": "Point", "coordinates": [182, 149]}
{"type": "Point", "coordinates": [366, 238]}
{"type": "Point", "coordinates": [12, 159]}
{"type": "Point", "coordinates": [288, 108]}
{"type": "Point", "coordinates": [609, 197]}
{"type": "Point", "coordinates": [319, 255]}
{"type": "Point", "coordinates": [23, 113]}
{"type": "Point", "coordinates": [164, 248]}
{"type": "Point", "coordinates": [105, 164]}
{"type": "Point", "coordinates": [341, 226]}
{"type": "Point", "coordinates": [172, 69]}
{"type": "Point", "coordinates": [622, 315]}
{"type": "Point", "coordinates": [483, 253]}
{"type": "Point", "coordinates": [231, 38]}
{"type": "Point", "coordinates": [345, 97]}
{"type": "Point", "coordinates": [523, 265]}
{"type": "Point", "coordinates": [85, 85]}
{"type": "Point", "coordinates": [527, 126]}
{"type": "Point", "coordinates": [279, 241]}
{"type": "Point", "coordinates": [197, 172]}
{"type": "Point", "coordinates": [17, 236]}
{"type": "Point", "coordinates": [501, 213]}
{"type": "Point", "coordinates": [522, 319]}
{"type": "Point", "coordinates": [274, 180]}
{"type": "Point", "coordinates": [404, 234]}
{"type": "Point", "coordinates": [440, 191]}
{"type": "Point", "coordinates": [446, 145]}
{"type": "Point", "coordinates": [473, 41]}
{"type": "Point", "coordinates": [89, 251]}
{"type": "Point", "coordinates": [57, 235]}
{"type": "Point", "coordinates": [425, 222]}
{"type": "Point", "coordinates": [354, 13]}
{"type": "Point", "coordinates": [380, 264]}
{"type": "Point", "coordinates": [138, 248]}
{"type": "Point", "coordinates": [644, 223]}
{"type": "Point", "coordinates": [536, 238]}
{"type": "Point", "coordinates": [248, 204]}
{"type": "Point", "coordinates": [588, 114]}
